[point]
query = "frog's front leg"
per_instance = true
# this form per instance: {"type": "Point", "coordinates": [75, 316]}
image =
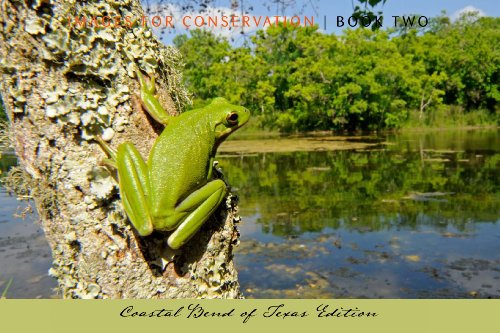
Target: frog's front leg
{"type": "Point", "coordinates": [195, 210]}
{"type": "Point", "coordinates": [149, 100]}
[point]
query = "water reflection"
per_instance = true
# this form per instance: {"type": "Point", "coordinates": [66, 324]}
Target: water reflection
{"type": "Point", "coordinates": [414, 216]}
{"type": "Point", "coordinates": [410, 216]}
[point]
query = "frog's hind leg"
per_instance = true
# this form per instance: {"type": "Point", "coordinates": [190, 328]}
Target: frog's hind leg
{"type": "Point", "coordinates": [197, 208]}
{"type": "Point", "coordinates": [111, 161]}
{"type": "Point", "coordinates": [133, 179]}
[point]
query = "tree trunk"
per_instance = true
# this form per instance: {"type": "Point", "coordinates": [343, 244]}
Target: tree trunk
{"type": "Point", "coordinates": [62, 84]}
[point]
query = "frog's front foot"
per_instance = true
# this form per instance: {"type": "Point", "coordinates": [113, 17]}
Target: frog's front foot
{"type": "Point", "coordinates": [149, 100]}
{"type": "Point", "coordinates": [218, 172]}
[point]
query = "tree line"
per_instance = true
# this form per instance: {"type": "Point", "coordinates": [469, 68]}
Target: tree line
{"type": "Point", "coordinates": [300, 79]}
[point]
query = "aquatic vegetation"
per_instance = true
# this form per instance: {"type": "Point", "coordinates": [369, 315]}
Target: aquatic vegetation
{"type": "Point", "coordinates": [6, 289]}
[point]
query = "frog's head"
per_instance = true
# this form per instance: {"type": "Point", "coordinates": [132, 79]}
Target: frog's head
{"type": "Point", "coordinates": [229, 117]}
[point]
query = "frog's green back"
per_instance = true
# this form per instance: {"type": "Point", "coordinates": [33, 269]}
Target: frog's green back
{"type": "Point", "coordinates": [179, 161]}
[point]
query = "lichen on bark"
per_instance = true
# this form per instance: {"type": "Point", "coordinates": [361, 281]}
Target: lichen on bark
{"type": "Point", "coordinates": [62, 84]}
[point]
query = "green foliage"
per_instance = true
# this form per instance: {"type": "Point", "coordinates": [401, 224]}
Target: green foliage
{"type": "Point", "coordinates": [203, 52]}
{"type": "Point", "coordinates": [4, 134]}
{"type": "Point", "coordinates": [299, 79]}
{"type": "Point", "coordinates": [3, 116]}
{"type": "Point", "coordinates": [364, 10]}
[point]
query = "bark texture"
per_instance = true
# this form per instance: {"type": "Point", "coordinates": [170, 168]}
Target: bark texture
{"type": "Point", "coordinates": [61, 85]}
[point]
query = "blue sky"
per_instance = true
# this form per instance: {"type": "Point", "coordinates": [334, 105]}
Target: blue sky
{"type": "Point", "coordinates": [392, 7]}
{"type": "Point", "coordinates": [424, 7]}
{"type": "Point", "coordinates": [324, 10]}
{"type": "Point", "coordinates": [429, 8]}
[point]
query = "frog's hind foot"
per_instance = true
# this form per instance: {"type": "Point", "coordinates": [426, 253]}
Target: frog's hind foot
{"type": "Point", "coordinates": [107, 148]}
{"type": "Point", "coordinates": [108, 162]}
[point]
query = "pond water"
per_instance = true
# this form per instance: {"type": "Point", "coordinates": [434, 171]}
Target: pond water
{"type": "Point", "coordinates": [390, 216]}
{"type": "Point", "coordinates": [25, 256]}
{"type": "Point", "coordinates": [404, 216]}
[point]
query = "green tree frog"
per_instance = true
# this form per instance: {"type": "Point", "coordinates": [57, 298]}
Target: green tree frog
{"type": "Point", "coordinates": [174, 189]}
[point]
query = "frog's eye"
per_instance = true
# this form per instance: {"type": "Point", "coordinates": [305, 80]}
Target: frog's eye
{"type": "Point", "coordinates": [232, 119]}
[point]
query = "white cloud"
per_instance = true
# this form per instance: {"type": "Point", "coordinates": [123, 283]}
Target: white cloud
{"type": "Point", "coordinates": [467, 10]}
